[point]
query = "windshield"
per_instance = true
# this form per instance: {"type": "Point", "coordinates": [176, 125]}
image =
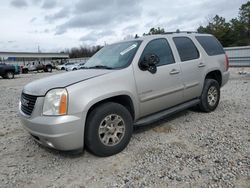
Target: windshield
{"type": "Point", "coordinates": [114, 56]}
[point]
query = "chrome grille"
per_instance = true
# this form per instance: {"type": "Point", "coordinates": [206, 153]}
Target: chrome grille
{"type": "Point", "coordinates": [27, 103]}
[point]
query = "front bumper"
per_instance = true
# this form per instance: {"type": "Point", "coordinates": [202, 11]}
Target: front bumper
{"type": "Point", "coordinates": [58, 132]}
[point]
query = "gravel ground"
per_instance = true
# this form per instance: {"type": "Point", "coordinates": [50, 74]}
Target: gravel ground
{"type": "Point", "coordinates": [190, 149]}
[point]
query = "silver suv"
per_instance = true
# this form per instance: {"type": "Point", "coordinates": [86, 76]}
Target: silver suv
{"type": "Point", "coordinates": [126, 84]}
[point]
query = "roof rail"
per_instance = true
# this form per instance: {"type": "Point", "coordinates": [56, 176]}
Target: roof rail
{"type": "Point", "coordinates": [188, 32]}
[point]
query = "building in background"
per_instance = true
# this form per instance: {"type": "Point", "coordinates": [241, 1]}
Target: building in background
{"type": "Point", "coordinates": [22, 58]}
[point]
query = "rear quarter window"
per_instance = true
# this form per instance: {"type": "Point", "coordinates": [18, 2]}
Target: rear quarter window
{"type": "Point", "coordinates": [186, 48]}
{"type": "Point", "coordinates": [211, 45]}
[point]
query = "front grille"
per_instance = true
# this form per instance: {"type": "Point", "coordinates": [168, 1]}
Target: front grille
{"type": "Point", "coordinates": [27, 103]}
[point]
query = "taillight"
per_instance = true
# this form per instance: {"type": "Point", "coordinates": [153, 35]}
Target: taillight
{"type": "Point", "coordinates": [226, 62]}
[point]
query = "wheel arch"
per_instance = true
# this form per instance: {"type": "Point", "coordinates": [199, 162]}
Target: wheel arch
{"type": "Point", "coordinates": [216, 75]}
{"type": "Point", "coordinates": [123, 99]}
{"type": "Point", "coordinates": [7, 71]}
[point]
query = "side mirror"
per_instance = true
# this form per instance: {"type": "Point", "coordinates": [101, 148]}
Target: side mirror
{"type": "Point", "coordinates": [149, 63]}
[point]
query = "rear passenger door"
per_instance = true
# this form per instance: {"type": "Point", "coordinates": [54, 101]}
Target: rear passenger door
{"type": "Point", "coordinates": [192, 67]}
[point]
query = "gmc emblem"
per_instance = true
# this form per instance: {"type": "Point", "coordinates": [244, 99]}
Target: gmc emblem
{"type": "Point", "coordinates": [25, 102]}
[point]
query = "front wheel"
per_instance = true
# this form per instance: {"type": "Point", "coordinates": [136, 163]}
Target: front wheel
{"type": "Point", "coordinates": [210, 96]}
{"type": "Point", "coordinates": [48, 69]}
{"type": "Point", "coordinates": [108, 129]}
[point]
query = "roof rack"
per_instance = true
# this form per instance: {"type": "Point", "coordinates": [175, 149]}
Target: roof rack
{"type": "Point", "coordinates": [188, 32]}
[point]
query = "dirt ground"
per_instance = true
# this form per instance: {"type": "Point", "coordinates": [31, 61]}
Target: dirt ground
{"type": "Point", "coordinates": [190, 149]}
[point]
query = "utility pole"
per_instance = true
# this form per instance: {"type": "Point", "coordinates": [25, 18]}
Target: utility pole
{"type": "Point", "coordinates": [38, 49]}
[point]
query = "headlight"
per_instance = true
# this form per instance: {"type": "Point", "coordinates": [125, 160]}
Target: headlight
{"type": "Point", "coordinates": [56, 102]}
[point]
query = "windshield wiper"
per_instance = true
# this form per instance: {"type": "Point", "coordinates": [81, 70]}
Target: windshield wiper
{"type": "Point", "coordinates": [100, 67]}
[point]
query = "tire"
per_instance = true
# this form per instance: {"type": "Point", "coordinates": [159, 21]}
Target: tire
{"type": "Point", "coordinates": [25, 71]}
{"type": "Point", "coordinates": [48, 69]}
{"type": "Point", "coordinates": [210, 96]}
{"type": "Point", "coordinates": [62, 68]}
{"type": "Point", "coordinates": [74, 69]}
{"type": "Point", "coordinates": [9, 75]}
{"type": "Point", "coordinates": [100, 134]}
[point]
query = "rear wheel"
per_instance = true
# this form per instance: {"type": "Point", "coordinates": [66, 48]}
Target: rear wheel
{"type": "Point", "coordinates": [210, 96]}
{"type": "Point", "coordinates": [108, 130]}
{"type": "Point", "coordinates": [9, 75]}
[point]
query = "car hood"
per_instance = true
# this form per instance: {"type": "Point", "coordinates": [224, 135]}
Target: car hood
{"type": "Point", "coordinates": [42, 86]}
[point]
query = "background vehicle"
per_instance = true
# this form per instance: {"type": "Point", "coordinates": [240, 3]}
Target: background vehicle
{"type": "Point", "coordinates": [64, 66]}
{"type": "Point", "coordinates": [37, 66]}
{"type": "Point", "coordinates": [126, 84]}
{"type": "Point", "coordinates": [7, 71]}
{"type": "Point", "coordinates": [74, 67]}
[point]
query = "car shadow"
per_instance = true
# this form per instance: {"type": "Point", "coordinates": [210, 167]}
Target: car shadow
{"type": "Point", "coordinates": [147, 127]}
{"type": "Point", "coordinates": [66, 154]}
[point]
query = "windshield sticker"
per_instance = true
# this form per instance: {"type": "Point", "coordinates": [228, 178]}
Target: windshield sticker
{"type": "Point", "coordinates": [128, 49]}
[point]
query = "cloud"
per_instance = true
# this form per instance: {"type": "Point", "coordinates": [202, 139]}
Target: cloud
{"type": "Point", "coordinates": [19, 3]}
{"type": "Point", "coordinates": [63, 13]}
{"type": "Point", "coordinates": [33, 19]}
{"type": "Point", "coordinates": [93, 36]}
{"type": "Point", "coordinates": [35, 2]}
{"type": "Point", "coordinates": [93, 5]}
{"type": "Point", "coordinates": [96, 13]}
{"type": "Point", "coordinates": [46, 31]}
{"type": "Point", "coordinates": [130, 29]}
{"type": "Point", "coordinates": [49, 4]}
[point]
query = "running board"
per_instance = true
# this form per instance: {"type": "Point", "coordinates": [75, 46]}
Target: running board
{"type": "Point", "coordinates": [163, 114]}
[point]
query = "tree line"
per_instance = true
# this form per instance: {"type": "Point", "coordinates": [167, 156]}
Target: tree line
{"type": "Point", "coordinates": [82, 51]}
{"type": "Point", "coordinates": [235, 32]}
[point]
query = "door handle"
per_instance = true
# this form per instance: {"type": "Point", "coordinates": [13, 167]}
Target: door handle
{"type": "Point", "coordinates": [174, 71]}
{"type": "Point", "coordinates": [201, 65]}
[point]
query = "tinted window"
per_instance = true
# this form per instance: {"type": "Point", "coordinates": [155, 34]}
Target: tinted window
{"type": "Point", "coordinates": [161, 48]}
{"type": "Point", "coordinates": [186, 48]}
{"type": "Point", "coordinates": [210, 44]}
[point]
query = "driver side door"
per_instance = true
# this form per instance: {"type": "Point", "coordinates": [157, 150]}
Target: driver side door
{"type": "Point", "coordinates": [164, 88]}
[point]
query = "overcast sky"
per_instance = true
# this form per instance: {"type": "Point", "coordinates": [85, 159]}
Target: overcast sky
{"type": "Point", "coordinates": [55, 25]}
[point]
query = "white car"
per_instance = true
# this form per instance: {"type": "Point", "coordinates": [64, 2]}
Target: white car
{"type": "Point", "coordinates": [64, 66]}
{"type": "Point", "coordinates": [74, 67]}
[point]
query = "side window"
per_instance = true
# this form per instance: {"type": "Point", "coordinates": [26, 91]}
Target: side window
{"type": "Point", "coordinates": [161, 48]}
{"type": "Point", "coordinates": [186, 48]}
{"type": "Point", "coordinates": [211, 45]}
